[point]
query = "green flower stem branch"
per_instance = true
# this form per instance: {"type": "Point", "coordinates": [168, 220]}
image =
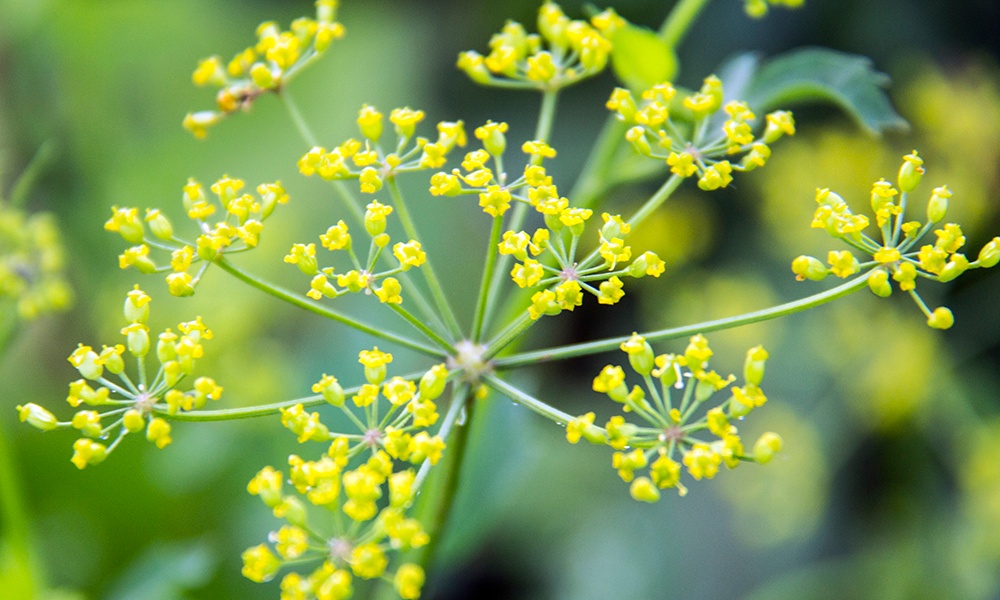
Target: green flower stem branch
{"type": "Point", "coordinates": [427, 268]}
{"type": "Point", "coordinates": [526, 400]}
{"type": "Point", "coordinates": [490, 274]}
{"type": "Point", "coordinates": [543, 130]}
{"type": "Point", "coordinates": [528, 358]}
{"type": "Point", "coordinates": [435, 508]}
{"type": "Point", "coordinates": [424, 329]}
{"type": "Point", "coordinates": [307, 304]}
{"type": "Point", "coordinates": [678, 22]}
{"type": "Point", "coordinates": [264, 410]}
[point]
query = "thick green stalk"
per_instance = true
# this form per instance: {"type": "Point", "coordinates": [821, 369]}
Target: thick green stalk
{"type": "Point", "coordinates": [596, 347]}
{"type": "Point", "coordinates": [307, 304]}
{"type": "Point", "coordinates": [14, 518]}
{"type": "Point", "coordinates": [441, 500]}
{"type": "Point", "coordinates": [427, 269]}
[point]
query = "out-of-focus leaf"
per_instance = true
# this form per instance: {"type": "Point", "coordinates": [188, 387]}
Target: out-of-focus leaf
{"type": "Point", "coordinates": [811, 75]}
{"type": "Point", "coordinates": [165, 572]}
{"type": "Point", "coordinates": [640, 58]}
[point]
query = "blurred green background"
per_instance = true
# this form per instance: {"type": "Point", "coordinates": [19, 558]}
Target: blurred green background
{"type": "Point", "coordinates": [888, 487]}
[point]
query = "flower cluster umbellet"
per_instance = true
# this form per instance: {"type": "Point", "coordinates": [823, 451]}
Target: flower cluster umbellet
{"type": "Point", "coordinates": [369, 162]}
{"type": "Point", "coordinates": [32, 264]}
{"type": "Point", "coordinates": [133, 403]}
{"type": "Point", "coordinates": [682, 134]}
{"type": "Point", "coordinates": [672, 400]}
{"type": "Point", "coordinates": [548, 256]}
{"type": "Point", "coordinates": [564, 52]}
{"type": "Point", "coordinates": [264, 67]}
{"type": "Point", "coordinates": [895, 256]}
{"type": "Point", "coordinates": [239, 230]}
{"type": "Point", "coordinates": [374, 495]}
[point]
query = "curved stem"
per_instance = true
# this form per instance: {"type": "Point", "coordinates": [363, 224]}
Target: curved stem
{"type": "Point", "coordinates": [596, 347]}
{"type": "Point", "coordinates": [678, 22]}
{"type": "Point", "coordinates": [427, 269]}
{"type": "Point", "coordinates": [528, 401]}
{"type": "Point", "coordinates": [307, 304]}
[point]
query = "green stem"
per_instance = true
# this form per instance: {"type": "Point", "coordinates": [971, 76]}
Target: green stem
{"type": "Point", "coordinates": [546, 116]}
{"type": "Point", "coordinates": [656, 200]}
{"type": "Point", "coordinates": [427, 269]}
{"type": "Point", "coordinates": [424, 329]}
{"type": "Point", "coordinates": [530, 402]}
{"type": "Point", "coordinates": [15, 525]}
{"type": "Point", "coordinates": [488, 276]}
{"type": "Point", "coordinates": [444, 499]}
{"type": "Point", "coordinates": [302, 302]}
{"type": "Point", "coordinates": [678, 22]}
{"type": "Point", "coordinates": [26, 182]}
{"type": "Point", "coordinates": [564, 352]}
{"type": "Point", "coordinates": [543, 130]}
{"type": "Point", "coordinates": [265, 410]}
{"type": "Point", "coordinates": [512, 332]}
{"type": "Point", "coordinates": [297, 119]}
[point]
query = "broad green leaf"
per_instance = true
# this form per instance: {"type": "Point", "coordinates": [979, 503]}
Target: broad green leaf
{"type": "Point", "coordinates": [640, 58]}
{"type": "Point", "coordinates": [809, 75]}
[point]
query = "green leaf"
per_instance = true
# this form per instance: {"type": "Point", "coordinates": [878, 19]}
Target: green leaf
{"type": "Point", "coordinates": [640, 58]}
{"type": "Point", "coordinates": [811, 75]}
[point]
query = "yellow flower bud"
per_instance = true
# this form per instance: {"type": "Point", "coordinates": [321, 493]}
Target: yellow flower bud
{"type": "Point", "coordinates": [878, 283]}
{"type": "Point", "coordinates": [643, 490]}
{"type": "Point", "coordinates": [37, 416]}
{"type": "Point", "coordinates": [989, 256]}
{"type": "Point", "coordinates": [941, 318]}
{"type": "Point", "coordinates": [766, 447]}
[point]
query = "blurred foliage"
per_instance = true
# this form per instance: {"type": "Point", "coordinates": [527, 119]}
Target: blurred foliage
{"type": "Point", "coordinates": [889, 487]}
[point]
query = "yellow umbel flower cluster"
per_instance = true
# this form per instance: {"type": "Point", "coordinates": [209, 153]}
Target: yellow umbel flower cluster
{"type": "Point", "coordinates": [561, 54]}
{"type": "Point", "coordinates": [362, 277]}
{"type": "Point", "coordinates": [264, 67]}
{"type": "Point", "coordinates": [238, 231]}
{"type": "Point", "coordinates": [377, 527]}
{"type": "Point", "coordinates": [672, 427]}
{"type": "Point", "coordinates": [895, 256]}
{"type": "Point", "coordinates": [370, 164]}
{"type": "Point", "coordinates": [598, 273]}
{"type": "Point", "coordinates": [130, 405]}
{"type": "Point", "coordinates": [681, 133]}
{"type": "Point", "coordinates": [32, 263]}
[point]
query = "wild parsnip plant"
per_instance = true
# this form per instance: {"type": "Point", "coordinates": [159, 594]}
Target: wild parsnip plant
{"type": "Point", "coordinates": [346, 502]}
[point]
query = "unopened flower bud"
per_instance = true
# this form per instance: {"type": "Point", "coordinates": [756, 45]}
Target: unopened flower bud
{"type": "Point", "coordinates": [878, 283]}
{"type": "Point", "coordinates": [910, 173]}
{"type": "Point", "coordinates": [766, 447]}
{"type": "Point", "coordinates": [808, 267]}
{"type": "Point", "coordinates": [753, 366]}
{"type": "Point", "coordinates": [937, 206]}
{"type": "Point", "coordinates": [36, 416]}
{"type": "Point", "coordinates": [941, 318]}
{"type": "Point", "coordinates": [990, 254]}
